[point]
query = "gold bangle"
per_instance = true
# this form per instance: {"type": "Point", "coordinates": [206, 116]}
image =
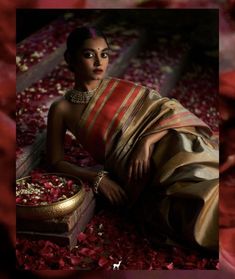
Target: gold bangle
{"type": "Point", "coordinates": [98, 179]}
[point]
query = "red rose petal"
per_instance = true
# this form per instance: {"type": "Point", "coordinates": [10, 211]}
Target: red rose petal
{"type": "Point", "coordinates": [102, 261]}
{"type": "Point", "coordinates": [47, 185]}
{"type": "Point", "coordinates": [81, 237]}
{"type": "Point", "coordinates": [87, 252]}
{"type": "Point", "coordinates": [75, 260]}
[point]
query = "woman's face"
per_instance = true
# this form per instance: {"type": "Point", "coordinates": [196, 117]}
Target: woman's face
{"type": "Point", "coordinates": [92, 59]}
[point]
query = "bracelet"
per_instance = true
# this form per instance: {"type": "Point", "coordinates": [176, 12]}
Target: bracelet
{"type": "Point", "coordinates": [98, 179]}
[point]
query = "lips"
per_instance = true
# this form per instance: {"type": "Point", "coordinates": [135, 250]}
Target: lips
{"type": "Point", "coordinates": [98, 71]}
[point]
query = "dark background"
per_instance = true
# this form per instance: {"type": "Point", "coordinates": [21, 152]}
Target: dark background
{"type": "Point", "coordinates": [194, 23]}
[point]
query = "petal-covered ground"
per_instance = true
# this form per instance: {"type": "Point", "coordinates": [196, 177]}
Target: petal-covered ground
{"type": "Point", "coordinates": [108, 239]}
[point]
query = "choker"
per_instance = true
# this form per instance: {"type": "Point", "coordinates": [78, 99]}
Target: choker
{"type": "Point", "coordinates": [79, 97]}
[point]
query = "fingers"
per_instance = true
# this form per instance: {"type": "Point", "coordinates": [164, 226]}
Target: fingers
{"type": "Point", "coordinates": [123, 195]}
{"type": "Point", "coordinates": [130, 172]}
{"type": "Point", "coordinates": [138, 169]}
{"type": "Point", "coordinates": [140, 172]}
{"type": "Point", "coordinates": [145, 167]}
{"type": "Point", "coordinates": [115, 194]}
{"type": "Point", "coordinates": [134, 170]}
{"type": "Point", "coordinates": [117, 198]}
{"type": "Point", "coordinates": [120, 196]}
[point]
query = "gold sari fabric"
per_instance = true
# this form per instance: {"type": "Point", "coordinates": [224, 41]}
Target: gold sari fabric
{"type": "Point", "coordinates": [178, 201]}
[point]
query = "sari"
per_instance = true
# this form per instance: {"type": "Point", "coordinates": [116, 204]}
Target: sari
{"type": "Point", "coordinates": [178, 202]}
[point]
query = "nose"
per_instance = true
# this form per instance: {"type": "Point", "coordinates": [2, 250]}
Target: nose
{"type": "Point", "coordinates": [97, 61]}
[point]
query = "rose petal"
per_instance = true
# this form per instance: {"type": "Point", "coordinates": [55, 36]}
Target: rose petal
{"type": "Point", "coordinates": [102, 261]}
{"type": "Point", "coordinates": [81, 237]}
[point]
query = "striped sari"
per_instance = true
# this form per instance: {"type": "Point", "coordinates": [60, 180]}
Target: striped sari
{"type": "Point", "coordinates": [178, 202]}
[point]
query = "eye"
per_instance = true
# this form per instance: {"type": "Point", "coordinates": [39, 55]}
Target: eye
{"type": "Point", "coordinates": [88, 54]}
{"type": "Point", "coordinates": [104, 54]}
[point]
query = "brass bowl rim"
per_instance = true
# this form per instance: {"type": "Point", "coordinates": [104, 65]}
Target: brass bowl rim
{"type": "Point", "coordinates": [57, 202]}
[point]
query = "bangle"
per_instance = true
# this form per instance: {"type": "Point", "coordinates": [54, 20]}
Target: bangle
{"type": "Point", "coordinates": [98, 179]}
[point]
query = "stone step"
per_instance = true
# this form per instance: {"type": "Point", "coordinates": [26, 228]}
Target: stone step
{"type": "Point", "coordinates": [40, 70]}
{"type": "Point", "coordinates": [31, 156]}
{"type": "Point", "coordinates": [160, 63]}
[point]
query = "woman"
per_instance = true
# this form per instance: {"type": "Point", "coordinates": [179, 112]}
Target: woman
{"type": "Point", "coordinates": [159, 158]}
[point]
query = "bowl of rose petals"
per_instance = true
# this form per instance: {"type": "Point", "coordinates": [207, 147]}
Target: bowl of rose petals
{"type": "Point", "coordinates": [48, 195]}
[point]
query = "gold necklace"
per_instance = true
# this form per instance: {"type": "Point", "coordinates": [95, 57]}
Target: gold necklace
{"type": "Point", "coordinates": [79, 97]}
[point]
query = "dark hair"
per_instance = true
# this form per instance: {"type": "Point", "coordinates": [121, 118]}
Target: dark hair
{"type": "Point", "coordinates": [76, 39]}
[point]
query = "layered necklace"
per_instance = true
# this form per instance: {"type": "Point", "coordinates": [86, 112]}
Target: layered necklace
{"type": "Point", "coordinates": [79, 97]}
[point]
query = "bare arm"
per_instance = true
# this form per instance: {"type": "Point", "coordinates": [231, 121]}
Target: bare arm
{"type": "Point", "coordinates": [56, 130]}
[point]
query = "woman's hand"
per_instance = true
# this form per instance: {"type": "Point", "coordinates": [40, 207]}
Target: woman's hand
{"type": "Point", "coordinates": [112, 191]}
{"type": "Point", "coordinates": [140, 160]}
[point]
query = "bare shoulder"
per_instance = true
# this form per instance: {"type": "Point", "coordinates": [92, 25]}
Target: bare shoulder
{"type": "Point", "coordinates": [60, 106]}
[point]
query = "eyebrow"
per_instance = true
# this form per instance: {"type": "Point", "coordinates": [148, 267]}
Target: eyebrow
{"type": "Point", "coordinates": [94, 50]}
